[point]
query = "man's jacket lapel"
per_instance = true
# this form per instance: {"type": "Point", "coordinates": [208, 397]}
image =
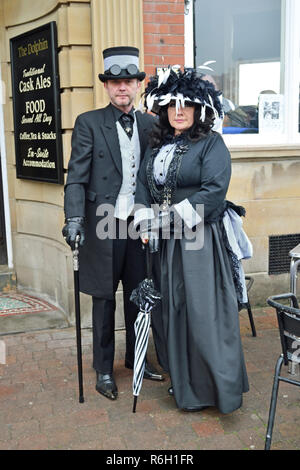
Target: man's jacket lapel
{"type": "Point", "coordinates": [111, 136]}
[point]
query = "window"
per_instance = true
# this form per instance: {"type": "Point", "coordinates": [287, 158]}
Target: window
{"type": "Point", "coordinates": [257, 65]}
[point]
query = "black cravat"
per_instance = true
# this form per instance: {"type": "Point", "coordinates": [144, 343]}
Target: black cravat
{"type": "Point", "coordinates": [127, 124]}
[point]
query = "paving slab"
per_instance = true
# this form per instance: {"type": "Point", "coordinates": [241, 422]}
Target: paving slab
{"type": "Point", "coordinates": [39, 408]}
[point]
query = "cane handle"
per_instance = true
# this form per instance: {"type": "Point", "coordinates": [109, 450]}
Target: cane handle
{"type": "Point", "coordinates": [77, 240]}
{"type": "Point", "coordinates": [76, 253]}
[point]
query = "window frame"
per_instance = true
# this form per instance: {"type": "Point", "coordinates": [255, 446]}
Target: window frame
{"type": "Point", "coordinates": [290, 58]}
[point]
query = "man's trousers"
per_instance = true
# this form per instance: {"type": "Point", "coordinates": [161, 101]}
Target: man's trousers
{"type": "Point", "coordinates": [129, 266]}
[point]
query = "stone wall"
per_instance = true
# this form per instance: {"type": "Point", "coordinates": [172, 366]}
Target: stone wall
{"type": "Point", "coordinates": [266, 182]}
{"type": "Point", "coordinates": [42, 260]}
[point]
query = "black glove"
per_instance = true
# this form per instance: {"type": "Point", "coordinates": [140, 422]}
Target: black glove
{"type": "Point", "coordinates": [74, 226]}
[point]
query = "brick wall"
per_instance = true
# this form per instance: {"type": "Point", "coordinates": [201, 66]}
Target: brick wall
{"type": "Point", "coordinates": [163, 34]}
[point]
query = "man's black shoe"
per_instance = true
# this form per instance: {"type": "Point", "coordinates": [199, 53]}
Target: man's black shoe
{"type": "Point", "coordinates": [150, 372]}
{"type": "Point", "coordinates": [106, 385]}
{"type": "Point", "coordinates": [171, 391]}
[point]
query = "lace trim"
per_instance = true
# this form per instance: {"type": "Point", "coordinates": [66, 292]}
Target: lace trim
{"type": "Point", "coordinates": [164, 195]}
{"type": "Point", "coordinates": [235, 268]}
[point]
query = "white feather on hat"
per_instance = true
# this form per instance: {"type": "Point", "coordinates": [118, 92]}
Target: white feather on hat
{"type": "Point", "coordinates": [181, 86]}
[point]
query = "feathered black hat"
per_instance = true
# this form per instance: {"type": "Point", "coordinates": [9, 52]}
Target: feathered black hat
{"type": "Point", "coordinates": [187, 85]}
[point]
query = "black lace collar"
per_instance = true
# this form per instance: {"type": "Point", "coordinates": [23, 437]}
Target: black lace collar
{"type": "Point", "coordinates": [175, 139]}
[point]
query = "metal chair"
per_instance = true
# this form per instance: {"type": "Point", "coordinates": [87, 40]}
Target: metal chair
{"type": "Point", "coordinates": [295, 261]}
{"type": "Point", "coordinates": [289, 328]}
{"type": "Point", "coordinates": [248, 305]}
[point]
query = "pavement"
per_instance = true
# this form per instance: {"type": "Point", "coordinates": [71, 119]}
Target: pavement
{"type": "Point", "coordinates": [39, 407]}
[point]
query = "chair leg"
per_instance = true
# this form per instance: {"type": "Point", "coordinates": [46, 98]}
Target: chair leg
{"type": "Point", "coordinates": [251, 319]}
{"type": "Point", "coordinates": [273, 403]}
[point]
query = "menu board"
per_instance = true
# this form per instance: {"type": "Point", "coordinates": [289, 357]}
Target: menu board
{"type": "Point", "coordinates": [36, 104]}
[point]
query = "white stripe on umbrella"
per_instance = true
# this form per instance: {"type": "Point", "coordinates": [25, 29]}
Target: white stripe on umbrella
{"type": "Point", "coordinates": [145, 297]}
{"type": "Point", "coordinates": [141, 328]}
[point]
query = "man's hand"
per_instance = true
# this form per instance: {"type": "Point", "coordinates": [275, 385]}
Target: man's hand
{"type": "Point", "coordinates": [74, 226]}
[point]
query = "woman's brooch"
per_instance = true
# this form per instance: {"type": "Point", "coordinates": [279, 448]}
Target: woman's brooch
{"type": "Point", "coordinates": [182, 148]}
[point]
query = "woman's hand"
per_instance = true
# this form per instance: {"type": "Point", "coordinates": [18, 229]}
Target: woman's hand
{"type": "Point", "coordinates": [145, 236]}
{"type": "Point", "coordinates": [152, 239]}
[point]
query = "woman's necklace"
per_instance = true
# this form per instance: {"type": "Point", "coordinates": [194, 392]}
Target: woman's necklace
{"type": "Point", "coordinates": [164, 194]}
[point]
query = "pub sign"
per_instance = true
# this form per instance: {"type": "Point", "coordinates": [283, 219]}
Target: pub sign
{"type": "Point", "coordinates": [36, 104]}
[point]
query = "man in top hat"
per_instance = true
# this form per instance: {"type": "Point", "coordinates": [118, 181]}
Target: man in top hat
{"type": "Point", "coordinates": [107, 147]}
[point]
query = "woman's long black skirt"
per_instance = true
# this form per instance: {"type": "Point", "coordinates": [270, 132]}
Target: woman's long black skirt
{"type": "Point", "coordinates": [200, 344]}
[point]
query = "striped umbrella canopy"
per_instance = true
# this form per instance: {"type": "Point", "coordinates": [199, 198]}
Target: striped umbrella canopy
{"type": "Point", "coordinates": [146, 297]}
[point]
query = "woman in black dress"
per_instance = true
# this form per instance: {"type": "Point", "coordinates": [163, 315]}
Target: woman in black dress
{"type": "Point", "coordinates": [182, 185]}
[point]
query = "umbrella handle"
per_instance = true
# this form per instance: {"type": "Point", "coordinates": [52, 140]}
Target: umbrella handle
{"type": "Point", "coordinates": [148, 262]}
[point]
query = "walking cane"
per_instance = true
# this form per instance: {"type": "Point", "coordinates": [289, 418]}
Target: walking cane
{"type": "Point", "coordinates": [77, 316]}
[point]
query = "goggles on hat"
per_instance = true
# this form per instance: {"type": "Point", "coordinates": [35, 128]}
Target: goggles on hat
{"type": "Point", "coordinates": [116, 69]}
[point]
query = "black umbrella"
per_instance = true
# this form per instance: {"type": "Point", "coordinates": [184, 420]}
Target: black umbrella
{"type": "Point", "coordinates": [75, 253]}
{"type": "Point", "coordinates": [146, 297]}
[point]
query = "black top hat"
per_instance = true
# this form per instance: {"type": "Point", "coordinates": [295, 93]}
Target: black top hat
{"type": "Point", "coordinates": [121, 62]}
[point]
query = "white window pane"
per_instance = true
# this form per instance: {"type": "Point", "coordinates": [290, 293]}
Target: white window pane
{"type": "Point", "coordinates": [255, 78]}
{"type": "Point", "coordinates": [245, 40]}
